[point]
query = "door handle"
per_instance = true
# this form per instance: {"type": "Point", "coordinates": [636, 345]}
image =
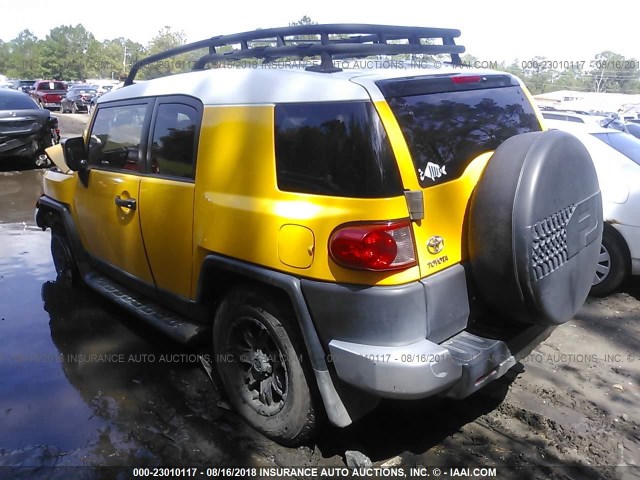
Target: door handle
{"type": "Point", "coordinates": [129, 203]}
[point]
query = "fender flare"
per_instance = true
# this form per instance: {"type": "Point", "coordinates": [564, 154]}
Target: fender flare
{"type": "Point", "coordinates": [45, 207]}
{"type": "Point", "coordinates": [337, 412]}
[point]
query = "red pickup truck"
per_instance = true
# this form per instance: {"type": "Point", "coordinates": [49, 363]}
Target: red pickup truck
{"type": "Point", "coordinates": [48, 93]}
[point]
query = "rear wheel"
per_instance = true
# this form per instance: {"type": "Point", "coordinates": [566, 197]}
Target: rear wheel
{"type": "Point", "coordinates": [260, 363]}
{"type": "Point", "coordinates": [613, 264]}
{"type": "Point", "coordinates": [62, 110]}
{"type": "Point", "coordinates": [74, 107]}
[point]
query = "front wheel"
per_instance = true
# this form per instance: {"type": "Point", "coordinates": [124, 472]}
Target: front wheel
{"type": "Point", "coordinates": [260, 362]}
{"type": "Point", "coordinates": [63, 260]}
{"type": "Point", "coordinates": [613, 264]}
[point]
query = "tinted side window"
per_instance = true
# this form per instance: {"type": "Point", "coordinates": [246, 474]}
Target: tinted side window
{"type": "Point", "coordinates": [338, 149]}
{"type": "Point", "coordinates": [172, 148]}
{"type": "Point", "coordinates": [116, 137]}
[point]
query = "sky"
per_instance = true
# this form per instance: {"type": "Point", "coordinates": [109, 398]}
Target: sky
{"type": "Point", "coordinates": [492, 30]}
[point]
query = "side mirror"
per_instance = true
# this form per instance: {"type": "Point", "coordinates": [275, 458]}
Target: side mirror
{"type": "Point", "coordinates": [75, 153]}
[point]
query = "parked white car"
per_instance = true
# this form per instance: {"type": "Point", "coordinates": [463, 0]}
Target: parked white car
{"type": "Point", "coordinates": [572, 117]}
{"type": "Point", "coordinates": [616, 156]}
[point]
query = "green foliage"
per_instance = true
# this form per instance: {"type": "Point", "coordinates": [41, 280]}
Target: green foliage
{"type": "Point", "coordinates": [165, 40]}
{"type": "Point", "coordinates": [72, 53]}
{"type": "Point", "coordinates": [606, 72]}
{"type": "Point", "coordinates": [65, 52]}
{"type": "Point", "coordinates": [305, 20]}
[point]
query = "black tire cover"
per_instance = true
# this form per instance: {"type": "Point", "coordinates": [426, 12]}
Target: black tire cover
{"type": "Point", "coordinates": [535, 227]}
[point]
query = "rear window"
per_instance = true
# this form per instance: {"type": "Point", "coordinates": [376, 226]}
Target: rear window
{"type": "Point", "coordinates": [16, 102]}
{"type": "Point", "coordinates": [624, 143]}
{"type": "Point", "coordinates": [51, 86]}
{"type": "Point", "coordinates": [566, 118]}
{"type": "Point", "coordinates": [446, 131]}
{"type": "Point", "coordinates": [337, 149]}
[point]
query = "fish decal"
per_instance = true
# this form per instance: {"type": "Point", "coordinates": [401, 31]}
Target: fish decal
{"type": "Point", "coordinates": [432, 171]}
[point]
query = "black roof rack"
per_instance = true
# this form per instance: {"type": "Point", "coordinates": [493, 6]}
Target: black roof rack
{"type": "Point", "coordinates": [325, 41]}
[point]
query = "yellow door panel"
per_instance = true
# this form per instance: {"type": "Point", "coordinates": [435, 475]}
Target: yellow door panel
{"type": "Point", "coordinates": [169, 244]}
{"type": "Point", "coordinates": [241, 213]}
{"type": "Point", "coordinates": [445, 215]}
{"type": "Point", "coordinates": [110, 232]}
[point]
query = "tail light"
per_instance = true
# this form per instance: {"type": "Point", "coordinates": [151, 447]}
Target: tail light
{"type": "Point", "coordinates": [460, 79]}
{"type": "Point", "coordinates": [378, 247]}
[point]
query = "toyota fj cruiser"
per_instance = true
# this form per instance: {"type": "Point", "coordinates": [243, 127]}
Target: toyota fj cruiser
{"type": "Point", "coordinates": [338, 235]}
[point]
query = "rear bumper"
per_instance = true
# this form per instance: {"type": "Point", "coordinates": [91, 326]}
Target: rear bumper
{"type": "Point", "coordinates": [413, 340]}
{"type": "Point", "coordinates": [24, 146]}
{"type": "Point", "coordinates": [458, 367]}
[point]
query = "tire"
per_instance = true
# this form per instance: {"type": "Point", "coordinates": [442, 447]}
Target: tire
{"type": "Point", "coordinates": [614, 264]}
{"type": "Point", "coordinates": [62, 110]}
{"type": "Point", "coordinates": [259, 352]}
{"type": "Point", "coordinates": [535, 228]}
{"type": "Point", "coordinates": [63, 259]}
{"type": "Point", "coordinates": [74, 108]}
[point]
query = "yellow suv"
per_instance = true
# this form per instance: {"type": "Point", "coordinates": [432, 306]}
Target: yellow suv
{"type": "Point", "coordinates": [337, 234]}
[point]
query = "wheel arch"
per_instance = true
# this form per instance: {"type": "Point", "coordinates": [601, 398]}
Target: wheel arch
{"type": "Point", "coordinates": [611, 226]}
{"type": "Point", "coordinates": [51, 213]}
{"type": "Point", "coordinates": [219, 274]}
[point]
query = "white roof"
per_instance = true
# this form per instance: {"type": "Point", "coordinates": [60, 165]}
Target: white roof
{"type": "Point", "coordinates": [264, 85]}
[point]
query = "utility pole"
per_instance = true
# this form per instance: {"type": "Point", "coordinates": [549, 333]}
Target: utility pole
{"type": "Point", "coordinates": [124, 59]}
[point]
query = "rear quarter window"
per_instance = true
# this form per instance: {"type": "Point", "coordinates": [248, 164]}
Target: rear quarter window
{"type": "Point", "coordinates": [445, 131]}
{"type": "Point", "coordinates": [336, 149]}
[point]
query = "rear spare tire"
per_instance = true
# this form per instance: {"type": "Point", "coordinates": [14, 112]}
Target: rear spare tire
{"type": "Point", "coordinates": [535, 227]}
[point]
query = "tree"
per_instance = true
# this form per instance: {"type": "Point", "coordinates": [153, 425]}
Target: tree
{"type": "Point", "coordinates": [5, 53]}
{"type": "Point", "coordinates": [612, 72]}
{"type": "Point", "coordinates": [305, 20]}
{"type": "Point", "coordinates": [165, 40]}
{"type": "Point", "coordinates": [25, 57]}
{"type": "Point", "coordinates": [65, 52]}
{"type": "Point", "coordinates": [117, 56]}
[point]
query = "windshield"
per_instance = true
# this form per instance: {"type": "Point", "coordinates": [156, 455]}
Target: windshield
{"type": "Point", "coordinates": [446, 131]}
{"type": "Point", "coordinates": [626, 144]}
